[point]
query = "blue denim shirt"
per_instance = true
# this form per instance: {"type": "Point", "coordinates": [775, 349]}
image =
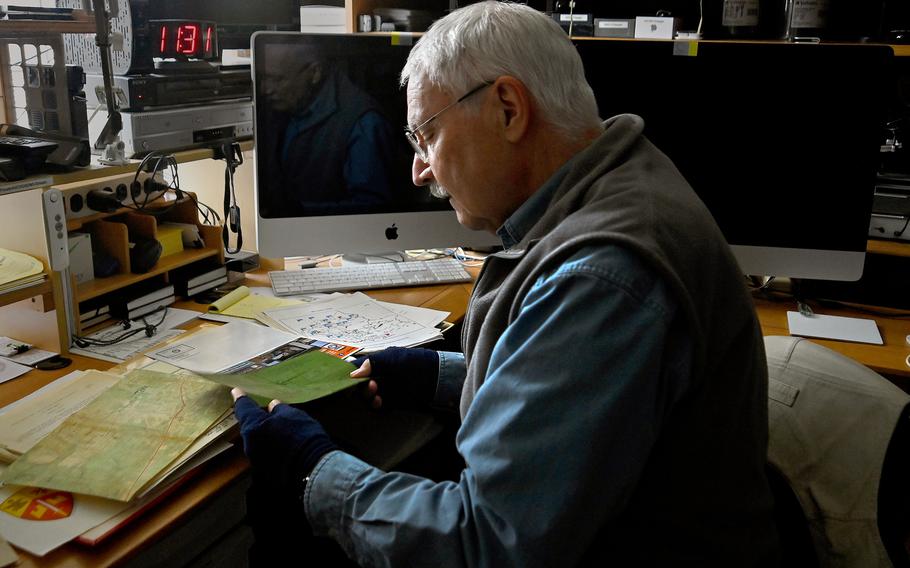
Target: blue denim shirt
{"type": "Point", "coordinates": [555, 439]}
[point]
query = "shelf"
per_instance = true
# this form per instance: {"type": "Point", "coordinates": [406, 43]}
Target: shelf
{"type": "Point", "coordinates": [97, 170]}
{"type": "Point", "coordinates": [891, 248]}
{"type": "Point", "coordinates": [14, 296]}
{"type": "Point", "coordinates": [101, 286]}
{"type": "Point", "coordinates": [82, 23]}
{"type": "Point", "coordinates": [899, 50]}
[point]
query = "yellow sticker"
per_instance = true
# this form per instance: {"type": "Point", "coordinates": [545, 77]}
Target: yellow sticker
{"type": "Point", "coordinates": [402, 39]}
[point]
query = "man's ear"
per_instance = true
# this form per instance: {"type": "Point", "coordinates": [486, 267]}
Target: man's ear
{"type": "Point", "coordinates": [514, 107]}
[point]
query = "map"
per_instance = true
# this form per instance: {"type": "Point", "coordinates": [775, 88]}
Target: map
{"type": "Point", "coordinates": [122, 439]}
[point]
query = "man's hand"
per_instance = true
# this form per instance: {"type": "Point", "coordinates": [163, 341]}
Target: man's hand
{"type": "Point", "coordinates": [283, 444]}
{"type": "Point", "coordinates": [400, 377]}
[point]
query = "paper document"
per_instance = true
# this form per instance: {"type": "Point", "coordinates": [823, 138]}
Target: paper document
{"type": "Point", "coordinates": [139, 343]}
{"type": "Point", "coordinates": [10, 370]}
{"type": "Point", "coordinates": [212, 350]}
{"type": "Point", "coordinates": [123, 438]}
{"type": "Point", "coordinates": [300, 379]}
{"type": "Point", "coordinates": [834, 327]}
{"type": "Point", "coordinates": [354, 319]}
{"type": "Point", "coordinates": [15, 266]}
{"type": "Point", "coordinates": [25, 422]}
{"type": "Point", "coordinates": [40, 520]}
{"type": "Point", "coordinates": [242, 303]}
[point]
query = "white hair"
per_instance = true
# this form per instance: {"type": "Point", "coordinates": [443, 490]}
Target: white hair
{"type": "Point", "coordinates": [483, 41]}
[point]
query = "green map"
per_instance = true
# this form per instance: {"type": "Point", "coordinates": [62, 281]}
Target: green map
{"type": "Point", "coordinates": [126, 436]}
{"type": "Point", "coordinates": [299, 379]}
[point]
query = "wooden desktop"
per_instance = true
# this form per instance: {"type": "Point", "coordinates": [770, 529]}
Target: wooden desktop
{"type": "Point", "coordinates": [168, 533]}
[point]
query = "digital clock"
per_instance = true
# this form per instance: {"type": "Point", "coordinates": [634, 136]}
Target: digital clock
{"type": "Point", "coordinates": [184, 39]}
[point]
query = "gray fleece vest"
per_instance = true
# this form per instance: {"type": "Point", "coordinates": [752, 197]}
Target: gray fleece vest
{"type": "Point", "coordinates": [703, 497]}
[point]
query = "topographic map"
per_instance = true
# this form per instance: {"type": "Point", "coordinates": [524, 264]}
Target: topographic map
{"type": "Point", "coordinates": [122, 439]}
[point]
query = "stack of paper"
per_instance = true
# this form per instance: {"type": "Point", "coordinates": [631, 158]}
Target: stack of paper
{"type": "Point", "coordinates": [103, 448]}
{"type": "Point", "coordinates": [125, 440]}
{"type": "Point", "coordinates": [19, 271]}
{"type": "Point", "coordinates": [358, 320]}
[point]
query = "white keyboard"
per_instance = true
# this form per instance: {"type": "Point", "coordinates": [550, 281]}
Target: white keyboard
{"type": "Point", "coordinates": [365, 276]}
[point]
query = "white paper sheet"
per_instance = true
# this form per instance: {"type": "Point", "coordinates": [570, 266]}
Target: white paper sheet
{"type": "Point", "coordinates": [10, 370]}
{"type": "Point", "coordinates": [24, 422]}
{"type": "Point", "coordinates": [214, 349]}
{"type": "Point", "coordinates": [834, 327]}
{"type": "Point", "coordinates": [121, 351]}
{"type": "Point", "coordinates": [353, 319]}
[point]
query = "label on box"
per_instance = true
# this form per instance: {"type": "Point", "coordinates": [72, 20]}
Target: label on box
{"type": "Point", "coordinates": [613, 24]}
{"type": "Point", "coordinates": [740, 13]}
{"type": "Point", "coordinates": [574, 17]}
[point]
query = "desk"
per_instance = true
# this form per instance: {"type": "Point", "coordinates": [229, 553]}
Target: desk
{"type": "Point", "coordinates": [161, 536]}
{"type": "Point", "coordinates": [889, 359]}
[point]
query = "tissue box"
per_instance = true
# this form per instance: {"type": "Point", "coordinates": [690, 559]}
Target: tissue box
{"type": "Point", "coordinates": [171, 239]}
{"type": "Point", "coordinates": [654, 27]}
{"type": "Point", "coordinates": [80, 247]}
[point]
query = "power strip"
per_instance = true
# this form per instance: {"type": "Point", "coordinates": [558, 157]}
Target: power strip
{"type": "Point", "coordinates": [883, 226]}
{"type": "Point", "coordinates": [116, 191]}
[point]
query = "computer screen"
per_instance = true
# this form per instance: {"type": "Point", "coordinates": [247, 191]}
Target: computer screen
{"type": "Point", "coordinates": [780, 141]}
{"type": "Point", "coordinates": [333, 167]}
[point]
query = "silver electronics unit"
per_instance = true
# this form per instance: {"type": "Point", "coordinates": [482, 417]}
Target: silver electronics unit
{"type": "Point", "coordinates": [175, 129]}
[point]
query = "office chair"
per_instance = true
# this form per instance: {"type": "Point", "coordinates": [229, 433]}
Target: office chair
{"type": "Point", "coordinates": [838, 448]}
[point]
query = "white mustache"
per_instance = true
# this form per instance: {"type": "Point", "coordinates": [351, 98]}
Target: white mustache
{"type": "Point", "coordinates": [437, 190]}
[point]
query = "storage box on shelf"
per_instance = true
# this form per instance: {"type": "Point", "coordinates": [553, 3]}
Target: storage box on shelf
{"type": "Point", "coordinates": [112, 234]}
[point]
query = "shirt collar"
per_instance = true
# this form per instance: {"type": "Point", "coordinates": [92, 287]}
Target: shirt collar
{"type": "Point", "coordinates": [528, 213]}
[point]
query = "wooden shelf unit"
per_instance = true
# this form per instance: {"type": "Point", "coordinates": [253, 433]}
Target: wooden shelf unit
{"type": "Point", "coordinates": [111, 233]}
{"type": "Point", "coordinates": [13, 296]}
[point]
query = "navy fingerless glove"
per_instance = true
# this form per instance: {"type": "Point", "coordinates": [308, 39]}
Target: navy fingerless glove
{"type": "Point", "coordinates": [284, 445]}
{"type": "Point", "coordinates": [406, 376]}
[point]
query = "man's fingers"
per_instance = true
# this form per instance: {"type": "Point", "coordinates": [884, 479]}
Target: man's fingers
{"type": "Point", "coordinates": [273, 404]}
{"type": "Point", "coordinates": [362, 371]}
{"type": "Point", "coordinates": [248, 413]}
{"type": "Point", "coordinates": [237, 392]}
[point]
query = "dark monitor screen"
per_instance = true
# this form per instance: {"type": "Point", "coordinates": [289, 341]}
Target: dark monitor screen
{"type": "Point", "coordinates": [333, 167]}
{"type": "Point", "coordinates": [780, 141]}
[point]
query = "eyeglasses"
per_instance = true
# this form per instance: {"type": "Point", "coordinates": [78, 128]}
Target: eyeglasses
{"type": "Point", "coordinates": [411, 134]}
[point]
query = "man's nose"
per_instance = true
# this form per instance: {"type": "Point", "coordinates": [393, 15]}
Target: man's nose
{"type": "Point", "coordinates": [421, 173]}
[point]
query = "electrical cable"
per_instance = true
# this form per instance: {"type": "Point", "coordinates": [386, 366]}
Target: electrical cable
{"type": "Point", "coordinates": [233, 157]}
{"type": "Point", "coordinates": [150, 329]}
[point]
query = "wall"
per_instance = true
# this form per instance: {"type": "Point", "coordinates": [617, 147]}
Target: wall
{"type": "Point", "coordinates": [206, 179]}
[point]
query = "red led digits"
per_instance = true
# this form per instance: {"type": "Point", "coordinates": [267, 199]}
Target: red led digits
{"type": "Point", "coordinates": [187, 35]}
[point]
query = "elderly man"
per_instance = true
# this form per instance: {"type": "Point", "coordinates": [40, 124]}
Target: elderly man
{"type": "Point", "coordinates": [613, 384]}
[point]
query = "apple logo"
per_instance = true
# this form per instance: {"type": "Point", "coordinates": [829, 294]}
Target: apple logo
{"type": "Point", "coordinates": [392, 232]}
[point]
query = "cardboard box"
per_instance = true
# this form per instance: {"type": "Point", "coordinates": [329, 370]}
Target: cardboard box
{"type": "Point", "coordinates": [654, 27]}
{"type": "Point", "coordinates": [582, 24]}
{"type": "Point", "coordinates": [80, 248]}
{"type": "Point", "coordinates": [611, 27]}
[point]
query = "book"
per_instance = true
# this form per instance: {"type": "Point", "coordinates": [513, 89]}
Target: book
{"type": "Point", "coordinates": [149, 297]}
{"type": "Point", "coordinates": [206, 286]}
{"type": "Point", "coordinates": [194, 279]}
{"type": "Point", "coordinates": [150, 307]}
{"type": "Point", "coordinates": [89, 322]}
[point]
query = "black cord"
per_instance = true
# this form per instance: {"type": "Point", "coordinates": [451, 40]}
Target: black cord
{"type": "Point", "coordinates": [150, 329]}
{"type": "Point", "coordinates": [233, 157]}
{"type": "Point", "coordinates": [904, 228]}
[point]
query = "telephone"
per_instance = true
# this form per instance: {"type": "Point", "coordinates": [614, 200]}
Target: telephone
{"type": "Point", "coordinates": [26, 151]}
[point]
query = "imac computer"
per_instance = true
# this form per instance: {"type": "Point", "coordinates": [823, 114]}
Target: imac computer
{"type": "Point", "coordinates": [333, 167]}
{"type": "Point", "coordinates": [781, 141]}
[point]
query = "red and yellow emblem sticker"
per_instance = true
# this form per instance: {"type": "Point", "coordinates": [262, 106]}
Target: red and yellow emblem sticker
{"type": "Point", "coordinates": [33, 504]}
